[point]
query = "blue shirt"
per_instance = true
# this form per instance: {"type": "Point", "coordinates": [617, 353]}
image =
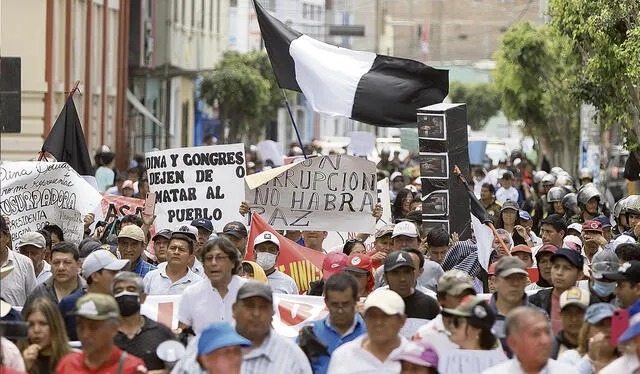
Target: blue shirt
{"type": "Point", "coordinates": [332, 339]}
{"type": "Point", "coordinates": [142, 267]}
{"type": "Point", "coordinates": [66, 306]}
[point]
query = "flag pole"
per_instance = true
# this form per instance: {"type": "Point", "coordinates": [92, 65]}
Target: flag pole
{"type": "Point", "coordinates": [294, 123]}
{"type": "Point", "coordinates": [461, 178]}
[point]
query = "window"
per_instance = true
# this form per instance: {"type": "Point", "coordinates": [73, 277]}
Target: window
{"type": "Point", "coordinates": [305, 11]}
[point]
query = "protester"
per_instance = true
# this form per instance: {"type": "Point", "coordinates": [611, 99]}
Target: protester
{"type": "Point", "coordinates": [488, 201]}
{"type": "Point", "coordinates": [98, 269]}
{"type": "Point", "coordinates": [98, 320]}
{"type": "Point", "coordinates": [314, 240]}
{"type": "Point", "coordinates": [353, 245]}
{"type": "Point", "coordinates": [402, 204]}
{"type": "Point", "coordinates": [507, 192]}
{"type": "Point", "coordinates": [251, 270]}
{"type": "Point", "coordinates": [33, 245]}
{"type": "Point", "coordinates": [601, 289]}
{"type": "Point", "coordinates": [220, 349]}
{"type": "Point", "coordinates": [418, 357]}
{"type": "Point", "coordinates": [205, 229]}
{"type": "Point", "coordinates": [56, 233]}
{"type": "Point", "coordinates": [528, 335]}
{"type": "Point", "coordinates": [508, 218]}
{"type": "Point", "coordinates": [382, 245]}
{"type": "Point", "coordinates": [405, 235]}
{"type": "Point", "coordinates": [131, 243]}
{"type": "Point", "coordinates": [236, 232]}
{"type": "Point", "coordinates": [552, 230]}
{"type": "Point", "coordinates": [470, 324]}
{"type": "Point", "coordinates": [266, 247]}
{"type": "Point", "coordinates": [19, 283]}
{"type": "Point", "coordinates": [65, 279]}
{"type": "Point", "coordinates": [210, 301]}
{"type": "Point", "coordinates": [360, 266]}
{"type": "Point", "coordinates": [160, 244]}
{"type": "Point", "coordinates": [438, 244]}
{"type": "Point", "coordinates": [137, 334]}
{"type": "Point", "coordinates": [543, 260]}
{"type": "Point", "coordinates": [384, 316]}
{"type": "Point", "coordinates": [594, 350]}
{"type": "Point", "coordinates": [510, 282]}
{"type": "Point", "coordinates": [47, 342]}
{"type": "Point", "coordinates": [592, 239]}
{"type": "Point", "coordinates": [127, 188]}
{"type": "Point", "coordinates": [173, 276]}
{"type": "Point", "coordinates": [333, 263]}
{"type": "Point", "coordinates": [628, 287]}
{"type": "Point", "coordinates": [523, 252]}
{"type": "Point", "coordinates": [566, 270]}
{"type": "Point", "coordinates": [573, 305]}
{"type": "Point", "coordinates": [269, 352]}
{"type": "Point", "coordinates": [342, 325]}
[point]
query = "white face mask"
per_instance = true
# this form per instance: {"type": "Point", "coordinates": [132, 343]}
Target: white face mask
{"type": "Point", "coordinates": [266, 260]}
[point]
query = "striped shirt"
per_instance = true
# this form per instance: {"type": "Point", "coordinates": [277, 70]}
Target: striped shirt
{"type": "Point", "coordinates": [464, 256]}
{"type": "Point", "coordinates": [276, 355]}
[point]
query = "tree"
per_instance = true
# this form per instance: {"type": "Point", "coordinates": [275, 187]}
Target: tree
{"type": "Point", "coordinates": [483, 101]}
{"type": "Point", "coordinates": [534, 75]}
{"type": "Point", "coordinates": [246, 92]}
{"type": "Point", "coordinates": [605, 36]}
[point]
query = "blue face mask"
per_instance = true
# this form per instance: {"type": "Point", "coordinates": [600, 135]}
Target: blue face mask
{"type": "Point", "coordinates": [603, 289]}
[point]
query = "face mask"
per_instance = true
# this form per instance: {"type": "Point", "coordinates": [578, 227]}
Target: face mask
{"type": "Point", "coordinates": [266, 260]}
{"type": "Point", "coordinates": [603, 289]}
{"type": "Point", "coordinates": [128, 302]}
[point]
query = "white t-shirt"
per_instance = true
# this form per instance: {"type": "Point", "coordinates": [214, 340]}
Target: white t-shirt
{"type": "Point", "coordinates": [504, 194]}
{"type": "Point", "coordinates": [352, 358]}
{"type": "Point", "coordinates": [282, 283]}
{"type": "Point", "coordinates": [201, 304]}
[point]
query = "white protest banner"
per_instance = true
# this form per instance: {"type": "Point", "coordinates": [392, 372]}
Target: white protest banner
{"type": "Point", "coordinates": [361, 143]}
{"type": "Point", "coordinates": [197, 182]}
{"type": "Point", "coordinates": [320, 193]}
{"type": "Point", "coordinates": [34, 194]}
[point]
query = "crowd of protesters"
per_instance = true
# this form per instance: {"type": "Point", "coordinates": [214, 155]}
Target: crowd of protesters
{"type": "Point", "coordinates": [563, 275]}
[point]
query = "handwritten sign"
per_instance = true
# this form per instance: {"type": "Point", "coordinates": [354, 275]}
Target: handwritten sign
{"type": "Point", "coordinates": [114, 207]}
{"type": "Point", "coordinates": [197, 182]}
{"type": "Point", "coordinates": [320, 193]}
{"type": "Point", "coordinates": [35, 194]}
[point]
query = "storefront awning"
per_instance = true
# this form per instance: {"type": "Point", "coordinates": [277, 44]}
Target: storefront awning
{"type": "Point", "coordinates": [142, 109]}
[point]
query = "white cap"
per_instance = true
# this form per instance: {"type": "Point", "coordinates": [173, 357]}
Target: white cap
{"type": "Point", "coordinates": [575, 226]}
{"type": "Point", "coordinates": [266, 237]}
{"type": "Point", "coordinates": [394, 175]}
{"type": "Point", "coordinates": [405, 228]}
{"type": "Point", "coordinates": [101, 259]}
{"type": "Point", "coordinates": [386, 300]}
{"type": "Point", "coordinates": [571, 239]}
{"type": "Point", "coordinates": [33, 238]}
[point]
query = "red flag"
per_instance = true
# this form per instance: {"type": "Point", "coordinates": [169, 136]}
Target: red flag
{"type": "Point", "coordinates": [300, 263]}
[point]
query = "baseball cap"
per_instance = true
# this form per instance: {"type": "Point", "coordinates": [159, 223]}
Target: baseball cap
{"type": "Point", "coordinates": [604, 261]}
{"type": "Point", "coordinates": [396, 260]}
{"type": "Point", "coordinates": [629, 271]}
{"type": "Point", "coordinates": [127, 184]}
{"type": "Point", "coordinates": [574, 257]}
{"type": "Point", "coordinates": [510, 204]}
{"type": "Point", "coordinates": [87, 246]}
{"type": "Point", "coordinates": [384, 230]}
{"type": "Point", "coordinates": [476, 309]}
{"type": "Point", "coordinates": [405, 228]}
{"type": "Point", "coordinates": [524, 215]}
{"type": "Point", "coordinates": [333, 263]}
{"type": "Point", "coordinates": [266, 237]}
{"type": "Point", "coordinates": [132, 232]}
{"type": "Point", "coordinates": [101, 259]}
{"type": "Point", "coordinates": [546, 248]}
{"type": "Point", "coordinates": [605, 221]}
{"type": "Point", "coordinates": [220, 335]}
{"type": "Point", "coordinates": [454, 282]}
{"type": "Point", "coordinates": [574, 296]}
{"type": "Point", "coordinates": [521, 248]}
{"type": "Point", "coordinates": [395, 175]}
{"type": "Point", "coordinates": [597, 312]}
{"type": "Point", "coordinates": [235, 228]}
{"type": "Point", "coordinates": [97, 306]}
{"type": "Point", "coordinates": [572, 242]}
{"type": "Point", "coordinates": [634, 324]}
{"type": "Point", "coordinates": [188, 231]}
{"type": "Point", "coordinates": [419, 352]}
{"type": "Point", "coordinates": [359, 263]}
{"type": "Point", "coordinates": [254, 288]}
{"type": "Point", "coordinates": [166, 234]}
{"type": "Point", "coordinates": [202, 223]}
{"type": "Point", "coordinates": [386, 300]}
{"type": "Point", "coordinates": [510, 265]}
{"type": "Point", "coordinates": [33, 238]}
{"type": "Point", "coordinates": [592, 225]}
{"type": "Point", "coordinates": [575, 226]}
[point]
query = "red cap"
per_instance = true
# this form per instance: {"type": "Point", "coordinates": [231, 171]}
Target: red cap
{"type": "Point", "coordinates": [492, 268]}
{"type": "Point", "coordinates": [359, 262]}
{"type": "Point", "coordinates": [333, 263]}
{"type": "Point", "coordinates": [546, 248]}
{"type": "Point", "coordinates": [592, 225]}
{"type": "Point", "coordinates": [521, 248]}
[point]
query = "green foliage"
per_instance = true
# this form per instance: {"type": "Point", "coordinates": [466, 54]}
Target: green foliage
{"type": "Point", "coordinates": [483, 101]}
{"type": "Point", "coordinates": [534, 76]}
{"type": "Point", "coordinates": [244, 87]}
{"type": "Point", "coordinates": [605, 35]}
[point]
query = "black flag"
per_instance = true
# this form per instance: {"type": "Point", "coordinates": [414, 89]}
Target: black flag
{"type": "Point", "coordinates": [66, 140]}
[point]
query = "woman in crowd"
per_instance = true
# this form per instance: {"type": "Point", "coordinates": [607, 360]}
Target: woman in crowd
{"type": "Point", "coordinates": [251, 270]}
{"type": "Point", "coordinates": [508, 218]}
{"type": "Point", "coordinates": [595, 350]}
{"type": "Point", "coordinates": [418, 357]}
{"type": "Point", "coordinates": [470, 324]}
{"type": "Point", "coordinates": [361, 267]}
{"type": "Point", "coordinates": [402, 204]}
{"type": "Point", "coordinates": [47, 342]}
{"type": "Point", "coordinates": [354, 245]}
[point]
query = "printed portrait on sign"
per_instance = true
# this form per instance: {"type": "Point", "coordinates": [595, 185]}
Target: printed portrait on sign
{"type": "Point", "coordinates": [434, 165]}
{"type": "Point", "coordinates": [436, 204]}
{"type": "Point", "coordinates": [430, 224]}
{"type": "Point", "coordinates": [432, 126]}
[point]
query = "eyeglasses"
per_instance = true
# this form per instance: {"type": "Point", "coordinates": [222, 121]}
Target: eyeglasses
{"type": "Point", "coordinates": [215, 258]}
